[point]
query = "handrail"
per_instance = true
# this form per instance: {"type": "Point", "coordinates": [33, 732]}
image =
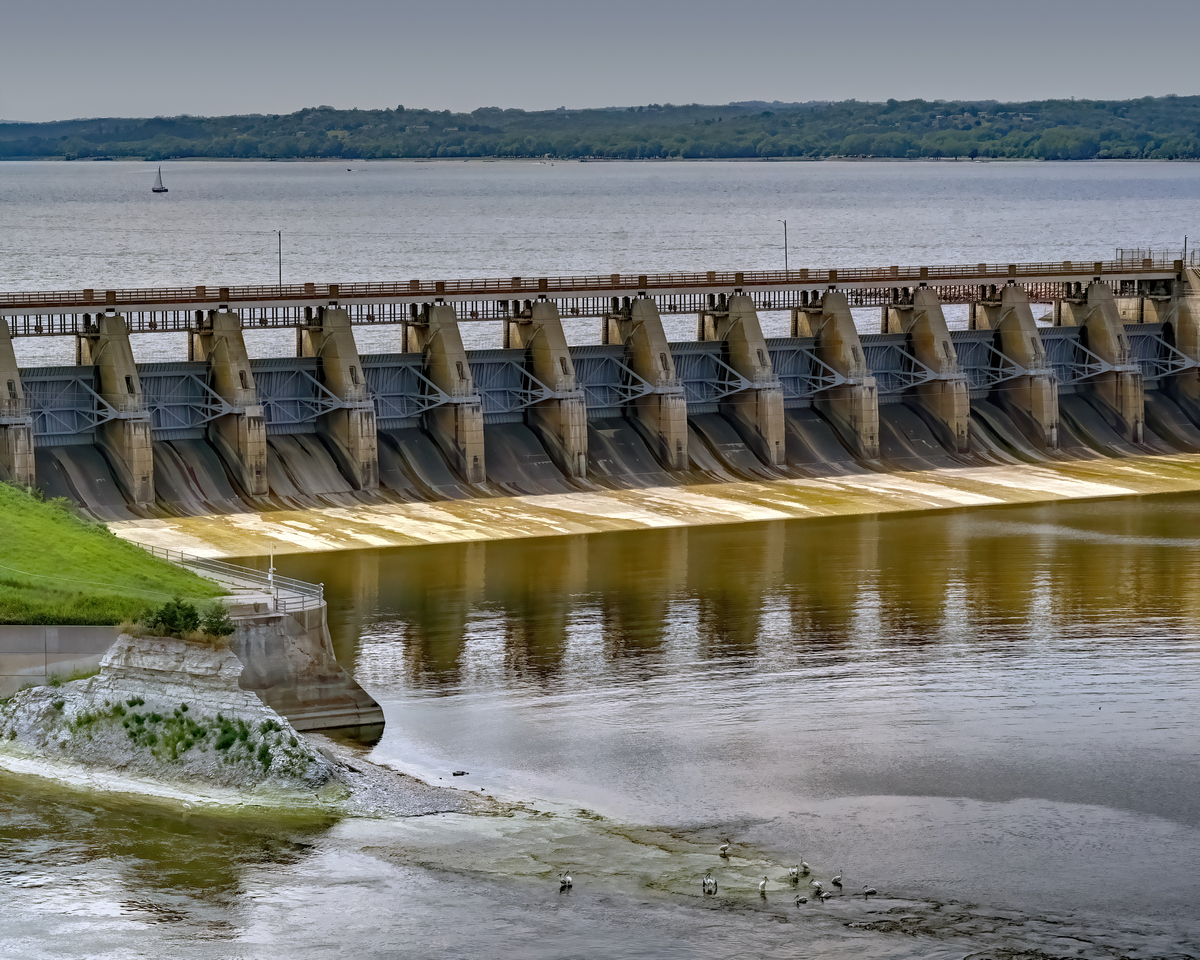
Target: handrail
{"type": "Point", "coordinates": [289, 594]}
{"type": "Point", "coordinates": [521, 288]}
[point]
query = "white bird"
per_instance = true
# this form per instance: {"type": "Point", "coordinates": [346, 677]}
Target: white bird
{"type": "Point", "coordinates": [869, 891]}
{"type": "Point", "coordinates": [709, 885]}
{"type": "Point", "coordinates": [824, 895]}
{"type": "Point", "coordinates": [794, 874]}
{"type": "Point", "coordinates": [723, 850]}
{"type": "Point", "coordinates": [800, 900]}
{"type": "Point", "coordinates": [817, 885]}
{"type": "Point", "coordinates": [564, 882]}
{"type": "Point", "coordinates": [804, 868]}
{"type": "Point", "coordinates": [837, 881]}
{"type": "Point", "coordinates": [762, 887]}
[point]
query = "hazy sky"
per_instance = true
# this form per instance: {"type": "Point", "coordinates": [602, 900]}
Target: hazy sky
{"type": "Point", "coordinates": [83, 58]}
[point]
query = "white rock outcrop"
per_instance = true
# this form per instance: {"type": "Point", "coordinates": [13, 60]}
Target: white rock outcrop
{"type": "Point", "coordinates": [166, 717]}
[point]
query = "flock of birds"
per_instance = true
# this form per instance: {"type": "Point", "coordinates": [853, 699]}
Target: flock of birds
{"type": "Point", "coordinates": [795, 874]}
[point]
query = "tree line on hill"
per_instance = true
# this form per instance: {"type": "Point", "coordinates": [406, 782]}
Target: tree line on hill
{"type": "Point", "coordinates": [1147, 128]}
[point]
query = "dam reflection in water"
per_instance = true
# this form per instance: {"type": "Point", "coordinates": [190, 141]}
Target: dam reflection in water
{"type": "Point", "coordinates": [422, 615]}
{"type": "Point", "coordinates": [712, 674]}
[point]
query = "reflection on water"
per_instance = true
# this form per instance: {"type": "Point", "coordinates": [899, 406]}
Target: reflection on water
{"type": "Point", "coordinates": [744, 674]}
{"type": "Point", "coordinates": [989, 715]}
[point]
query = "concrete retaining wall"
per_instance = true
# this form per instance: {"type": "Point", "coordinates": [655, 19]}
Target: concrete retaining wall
{"type": "Point", "coordinates": [34, 654]}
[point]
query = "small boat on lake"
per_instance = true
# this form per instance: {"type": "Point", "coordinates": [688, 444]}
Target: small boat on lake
{"type": "Point", "coordinates": [158, 184]}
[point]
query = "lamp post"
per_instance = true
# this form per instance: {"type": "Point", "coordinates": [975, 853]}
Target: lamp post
{"type": "Point", "coordinates": [785, 245]}
{"type": "Point", "coordinates": [279, 235]}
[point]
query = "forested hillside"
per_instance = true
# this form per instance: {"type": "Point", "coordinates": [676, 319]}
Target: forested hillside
{"type": "Point", "coordinates": [1160, 128]}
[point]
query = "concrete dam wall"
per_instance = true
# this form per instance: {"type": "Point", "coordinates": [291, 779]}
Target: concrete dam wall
{"type": "Point", "coordinates": [221, 433]}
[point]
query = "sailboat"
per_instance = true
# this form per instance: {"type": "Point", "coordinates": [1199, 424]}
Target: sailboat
{"type": "Point", "coordinates": [158, 184]}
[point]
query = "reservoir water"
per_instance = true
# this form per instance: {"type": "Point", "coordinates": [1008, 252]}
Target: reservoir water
{"type": "Point", "coordinates": [990, 716]}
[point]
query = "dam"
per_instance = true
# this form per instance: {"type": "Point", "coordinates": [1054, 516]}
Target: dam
{"type": "Point", "coordinates": [1108, 366]}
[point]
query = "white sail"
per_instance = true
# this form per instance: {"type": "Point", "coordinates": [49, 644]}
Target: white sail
{"type": "Point", "coordinates": [158, 184]}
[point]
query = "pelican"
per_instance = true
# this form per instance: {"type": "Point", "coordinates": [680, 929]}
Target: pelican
{"type": "Point", "coordinates": [800, 900]}
{"type": "Point", "coordinates": [708, 884]}
{"type": "Point", "coordinates": [564, 882]}
{"type": "Point", "coordinates": [804, 868]}
{"type": "Point", "coordinates": [869, 892]}
{"type": "Point", "coordinates": [794, 874]}
{"type": "Point", "coordinates": [816, 884]}
{"type": "Point", "coordinates": [824, 895]}
{"type": "Point", "coordinates": [837, 881]}
{"type": "Point", "coordinates": [723, 850]}
{"type": "Point", "coordinates": [762, 887]}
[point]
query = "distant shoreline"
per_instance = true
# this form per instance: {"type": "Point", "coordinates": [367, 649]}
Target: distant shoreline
{"type": "Point", "coordinates": [338, 161]}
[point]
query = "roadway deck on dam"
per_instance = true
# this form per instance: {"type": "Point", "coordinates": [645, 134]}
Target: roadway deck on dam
{"type": "Point", "coordinates": [160, 309]}
{"type": "Point", "coordinates": [462, 521]}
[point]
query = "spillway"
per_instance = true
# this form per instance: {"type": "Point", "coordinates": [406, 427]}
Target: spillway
{"type": "Point", "coordinates": [220, 433]}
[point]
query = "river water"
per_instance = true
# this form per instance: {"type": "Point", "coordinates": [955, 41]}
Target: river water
{"type": "Point", "coordinates": [990, 716]}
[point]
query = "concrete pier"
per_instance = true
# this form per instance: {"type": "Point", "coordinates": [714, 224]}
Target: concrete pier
{"type": "Point", "coordinates": [125, 437]}
{"type": "Point", "coordinates": [662, 414]}
{"type": "Point", "coordinates": [457, 426]}
{"type": "Point", "coordinates": [946, 399]}
{"type": "Point", "coordinates": [241, 434]}
{"type": "Point", "coordinates": [853, 406]}
{"type": "Point", "coordinates": [1180, 316]}
{"type": "Point", "coordinates": [1116, 390]}
{"type": "Point", "coordinates": [561, 420]}
{"type": "Point", "coordinates": [350, 428]}
{"type": "Point", "coordinates": [1032, 398]}
{"type": "Point", "coordinates": [757, 411]}
{"type": "Point", "coordinates": [16, 424]}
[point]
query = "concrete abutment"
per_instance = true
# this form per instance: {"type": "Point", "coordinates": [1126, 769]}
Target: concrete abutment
{"type": "Point", "coordinates": [852, 407]}
{"type": "Point", "coordinates": [16, 424]}
{"type": "Point", "coordinates": [758, 409]}
{"type": "Point", "coordinates": [1031, 399]}
{"type": "Point", "coordinates": [662, 414]}
{"type": "Point", "coordinates": [456, 426]}
{"type": "Point", "coordinates": [125, 436]}
{"type": "Point", "coordinates": [945, 397]}
{"type": "Point", "coordinates": [350, 429]}
{"type": "Point", "coordinates": [1116, 391]}
{"type": "Point", "coordinates": [560, 420]}
{"type": "Point", "coordinates": [240, 435]}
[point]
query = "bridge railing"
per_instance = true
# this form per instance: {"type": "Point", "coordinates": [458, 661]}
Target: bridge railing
{"type": "Point", "coordinates": [80, 301]}
{"type": "Point", "coordinates": [290, 595]}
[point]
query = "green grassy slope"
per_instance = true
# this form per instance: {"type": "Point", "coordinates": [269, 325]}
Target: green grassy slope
{"type": "Point", "coordinates": [58, 569]}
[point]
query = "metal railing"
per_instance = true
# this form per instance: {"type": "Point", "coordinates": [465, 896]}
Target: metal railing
{"type": "Point", "coordinates": [289, 595]}
{"type": "Point", "coordinates": [79, 301]}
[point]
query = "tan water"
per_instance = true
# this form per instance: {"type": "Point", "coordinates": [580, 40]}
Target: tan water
{"type": "Point", "coordinates": [990, 715]}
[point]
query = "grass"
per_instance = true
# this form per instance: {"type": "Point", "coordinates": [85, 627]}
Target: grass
{"type": "Point", "coordinates": [56, 568]}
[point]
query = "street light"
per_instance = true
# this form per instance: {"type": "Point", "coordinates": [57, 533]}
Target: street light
{"type": "Point", "coordinates": [279, 234]}
{"type": "Point", "coordinates": [785, 250]}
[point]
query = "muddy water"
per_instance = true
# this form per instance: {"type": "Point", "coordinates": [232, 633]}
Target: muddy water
{"type": "Point", "coordinates": [990, 716]}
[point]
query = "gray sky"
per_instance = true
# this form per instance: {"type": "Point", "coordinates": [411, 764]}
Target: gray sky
{"type": "Point", "coordinates": [82, 58]}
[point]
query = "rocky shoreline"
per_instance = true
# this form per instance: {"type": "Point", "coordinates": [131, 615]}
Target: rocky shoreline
{"type": "Point", "coordinates": [166, 719]}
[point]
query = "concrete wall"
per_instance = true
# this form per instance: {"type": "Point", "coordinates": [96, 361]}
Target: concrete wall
{"type": "Point", "coordinates": [32, 654]}
{"type": "Point", "coordinates": [560, 421]}
{"type": "Point", "coordinates": [288, 657]}
{"type": "Point", "coordinates": [351, 428]}
{"type": "Point", "coordinates": [852, 407]}
{"type": "Point", "coordinates": [16, 427]}
{"type": "Point", "coordinates": [241, 436]}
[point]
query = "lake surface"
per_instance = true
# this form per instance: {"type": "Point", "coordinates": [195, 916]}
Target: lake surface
{"type": "Point", "coordinates": [990, 716]}
{"type": "Point", "coordinates": [76, 225]}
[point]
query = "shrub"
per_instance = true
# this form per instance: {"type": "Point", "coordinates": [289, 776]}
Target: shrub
{"type": "Point", "coordinates": [173, 619]}
{"type": "Point", "coordinates": [216, 621]}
